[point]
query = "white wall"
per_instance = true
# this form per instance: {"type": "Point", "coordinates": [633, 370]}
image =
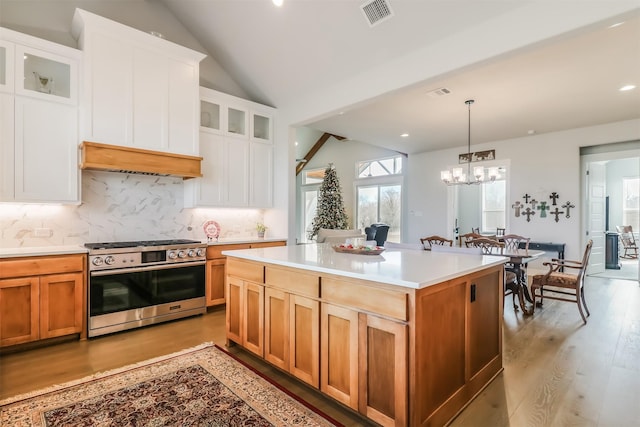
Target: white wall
{"type": "Point", "coordinates": [540, 164]}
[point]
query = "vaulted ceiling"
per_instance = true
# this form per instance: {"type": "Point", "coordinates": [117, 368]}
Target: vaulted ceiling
{"type": "Point", "coordinates": [285, 55]}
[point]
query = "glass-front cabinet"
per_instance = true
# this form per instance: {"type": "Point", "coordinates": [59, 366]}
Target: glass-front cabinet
{"type": "Point", "coordinates": [45, 75]}
{"type": "Point", "coordinates": [237, 121]}
{"type": "Point", "coordinates": [6, 66]}
{"type": "Point", "coordinates": [210, 116]}
{"type": "Point", "coordinates": [261, 126]}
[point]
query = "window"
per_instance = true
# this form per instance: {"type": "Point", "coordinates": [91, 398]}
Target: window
{"type": "Point", "coordinates": [380, 167]}
{"type": "Point", "coordinates": [311, 180]}
{"type": "Point", "coordinates": [631, 202]}
{"type": "Point", "coordinates": [380, 204]}
{"type": "Point", "coordinates": [493, 205]}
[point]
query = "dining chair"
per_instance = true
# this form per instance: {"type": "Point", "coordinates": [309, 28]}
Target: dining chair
{"type": "Point", "coordinates": [563, 286]}
{"type": "Point", "coordinates": [628, 240]}
{"type": "Point", "coordinates": [500, 231]}
{"type": "Point", "coordinates": [464, 238]}
{"type": "Point", "coordinates": [514, 243]}
{"type": "Point", "coordinates": [435, 240]}
{"type": "Point", "coordinates": [489, 246]}
{"type": "Point", "coordinates": [475, 230]}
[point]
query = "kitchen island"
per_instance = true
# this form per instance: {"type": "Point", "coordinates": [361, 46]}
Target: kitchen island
{"type": "Point", "coordinates": [405, 337]}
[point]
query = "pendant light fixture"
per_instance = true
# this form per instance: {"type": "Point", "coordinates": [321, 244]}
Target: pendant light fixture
{"type": "Point", "coordinates": [457, 176]}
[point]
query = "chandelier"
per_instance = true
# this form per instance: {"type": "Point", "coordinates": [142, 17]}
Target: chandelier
{"type": "Point", "coordinates": [457, 176]}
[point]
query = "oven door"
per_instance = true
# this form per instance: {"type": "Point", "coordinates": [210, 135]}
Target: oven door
{"type": "Point", "coordinates": [133, 296]}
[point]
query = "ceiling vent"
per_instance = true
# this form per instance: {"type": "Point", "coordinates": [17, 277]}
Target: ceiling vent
{"type": "Point", "coordinates": [376, 11]}
{"type": "Point", "coordinates": [441, 91]}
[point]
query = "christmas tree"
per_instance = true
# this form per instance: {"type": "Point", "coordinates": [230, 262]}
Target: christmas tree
{"type": "Point", "coordinates": [330, 212]}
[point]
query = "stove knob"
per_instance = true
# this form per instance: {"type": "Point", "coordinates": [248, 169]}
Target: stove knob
{"type": "Point", "coordinates": [191, 253]}
{"type": "Point", "coordinates": [109, 260]}
{"type": "Point", "coordinates": [172, 255]}
{"type": "Point", "coordinates": [97, 261]}
{"type": "Point", "coordinates": [200, 252]}
{"type": "Point", "coordinates": [181, 254]}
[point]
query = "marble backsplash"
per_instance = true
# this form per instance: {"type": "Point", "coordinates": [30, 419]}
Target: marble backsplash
{"type": "Point", "coordinates": [117, 207]}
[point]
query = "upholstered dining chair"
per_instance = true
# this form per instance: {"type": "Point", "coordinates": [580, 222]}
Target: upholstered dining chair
{"type": "Point", "coordinates": [429, 242]}
{"type": "Point", "coordinates": [563, 286]}
{"type": "Point", "coordinates": [628, 240]}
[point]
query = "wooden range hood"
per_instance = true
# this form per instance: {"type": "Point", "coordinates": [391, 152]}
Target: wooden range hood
{"type": "Point", "coordinates": [114, 158]}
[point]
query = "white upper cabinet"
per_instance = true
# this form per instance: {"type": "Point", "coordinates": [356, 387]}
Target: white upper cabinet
{"type": "Point", "coordinates": [38, 120]}
{"type": "Point", "coordinates": [139, 90]}
{"type": "Point", "coordinates": [236, 142]}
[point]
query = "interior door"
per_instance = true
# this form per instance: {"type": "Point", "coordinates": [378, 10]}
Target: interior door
{"type": "Point", "coordinates": [596, 191]}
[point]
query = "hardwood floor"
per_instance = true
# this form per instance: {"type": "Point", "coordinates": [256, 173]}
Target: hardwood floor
{"type": "Point", "coordinates": [557, 372]}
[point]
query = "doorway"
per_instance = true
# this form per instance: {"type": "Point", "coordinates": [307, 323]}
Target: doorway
{"type": "Point", "coordinates": [611, 168]}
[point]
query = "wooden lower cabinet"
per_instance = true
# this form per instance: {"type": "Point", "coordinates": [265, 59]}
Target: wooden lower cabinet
{"type": "Point", "coordinates": [36, 307]}
{"type": "Point", "coordinates": [399, 356]}
{"type": "Point", "coordinates": [216, 271]}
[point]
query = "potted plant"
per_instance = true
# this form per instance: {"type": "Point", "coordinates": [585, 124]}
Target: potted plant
{"type": "Point", "coordinates": [261, 228]}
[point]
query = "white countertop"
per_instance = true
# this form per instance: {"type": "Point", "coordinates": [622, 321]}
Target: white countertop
{"type": "Point", "coordinates": [402, 267]}
{"type": "Point", "coordinates": [41, 251]}
{"type": "Point", "coordinates": [238, 240]}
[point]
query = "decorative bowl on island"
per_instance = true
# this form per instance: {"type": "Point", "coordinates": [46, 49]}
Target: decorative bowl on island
{"type": "Point", "coordinates": [358, 249]}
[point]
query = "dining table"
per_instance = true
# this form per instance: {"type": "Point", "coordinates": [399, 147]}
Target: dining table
{"type": "Point", "coordinates": [519, 258]}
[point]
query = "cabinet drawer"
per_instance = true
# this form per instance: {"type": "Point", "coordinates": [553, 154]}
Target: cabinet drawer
{"type": "Point", "coordinates": [215, 251]}
{"type": "Point", "coordinates": [375, 300]}
{"type": "Point", "coordinates": [245, 270]}
{"type": "Point", "coordinates": [292, 281]}
{"type": "Point", "coordinates": [36, 266]}
{"type": "Point", "coordinates": [267, 244]}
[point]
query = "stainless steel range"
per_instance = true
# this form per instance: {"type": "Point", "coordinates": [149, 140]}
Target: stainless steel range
{"type": "Point", "coordinates": [133, 284]}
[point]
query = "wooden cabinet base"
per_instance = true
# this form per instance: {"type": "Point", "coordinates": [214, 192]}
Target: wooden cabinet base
{"type": "Point", "coordinates": [399, 356]}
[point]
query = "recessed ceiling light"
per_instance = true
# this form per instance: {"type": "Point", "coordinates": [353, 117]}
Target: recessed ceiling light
{"type": "Point", "coordinates": [627, 87]}
{"type": "Point", "coordinates": [278, 2]}
{"type": "Point", "coordinates": [404, 135]}
{"type": "Point", "coordinates": [341, 113]}
{"type": "Point", "coordinates": [617, 24]}
{"type": "Point", "coordinates": [296, 143]}
{"type": "Point", "coordinates": [531, 131]}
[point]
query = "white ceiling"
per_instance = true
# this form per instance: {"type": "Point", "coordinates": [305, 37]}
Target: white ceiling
{"type": "Point", "coordinates": [283, 55]}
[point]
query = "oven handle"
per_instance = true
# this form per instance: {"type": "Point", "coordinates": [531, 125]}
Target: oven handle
{"type": "Point", "coordinates": [149, 268]}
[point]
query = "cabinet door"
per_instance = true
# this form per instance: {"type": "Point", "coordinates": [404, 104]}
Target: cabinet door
{"type": "Point", "coordinates": [61, 304]}
{"type": "Point", "coordinates": [237, 171]}
{"type": "Point", "coordinates": [215, 282]}
{"type": "Point", "coordinates": [276, 328]}
{"type": "Point", "coordinates": [261, 126]}
{"type": "Point", "coordinates": [209, 190]}
{"type": "Point", "coordinates": [19, 308]}
{"type": "Point", "coordinates": [339, 354]}
{"type": "Point", "coordinates": [234, 312]}
{"type": "Point", "coordinates": [485, 313]}
{"type": "Point", "coordinates": [237, 120]}
{"type": "Point", "coordinates": [383, 370]}
{"type": "Point", "coordinates": [7, 147]}
{"type": "Point", "coordinates": [253, 327]}
{"type": "Point", "coordinates": [46, 76]}
{"type": "Point", "coordinates": [261, 168]}
{"type": "Point", "coordinates": [46, 154]}
{"type": "Point", "coordinates": [304, 333]}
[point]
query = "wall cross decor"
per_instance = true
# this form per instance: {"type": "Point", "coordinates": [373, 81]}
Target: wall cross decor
{"type": "Point", "coordinates": [533, 202]}
{"type": "Point", "coordinates": [568, 206]}
{"type": "Point", "coordinates": [528, 213]}
{"type": "Point", "coordinates": [554, 196]}
{"type": "Point", "coordinates": [526, 198]}
{"type": "Point", "coordinates": [543, 208]}
{"type": "Point", "coordinates": [556, 213]}
{"type": "Point", "coordinates": [517, 206]}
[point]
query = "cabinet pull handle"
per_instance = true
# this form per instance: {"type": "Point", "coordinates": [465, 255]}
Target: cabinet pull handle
{"type": "Point", "coordinates": [473, 292]}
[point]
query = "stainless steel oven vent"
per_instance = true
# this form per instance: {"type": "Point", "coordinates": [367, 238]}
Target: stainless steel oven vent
{"type": "Point", "coordinates": [376, 11]}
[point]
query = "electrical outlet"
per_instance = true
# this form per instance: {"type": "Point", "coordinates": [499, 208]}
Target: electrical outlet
{"type": "Point", "coordinates": [42, 232]}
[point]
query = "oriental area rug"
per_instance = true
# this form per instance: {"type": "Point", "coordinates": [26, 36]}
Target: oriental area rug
{"type": "Point", "coordinates": [202, 386]}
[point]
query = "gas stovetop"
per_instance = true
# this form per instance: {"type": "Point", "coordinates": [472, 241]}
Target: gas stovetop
{"type": "Point", "coordinates": [141, 244]}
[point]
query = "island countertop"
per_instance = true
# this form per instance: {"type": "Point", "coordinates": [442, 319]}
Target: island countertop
{"type": "Point", "coordinates": [401, 267]}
